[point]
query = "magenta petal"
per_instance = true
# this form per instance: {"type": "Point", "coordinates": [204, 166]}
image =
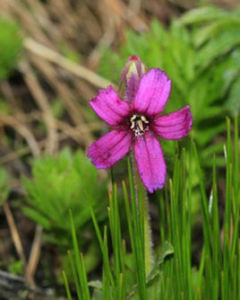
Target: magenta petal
{"type": "Point", "coordinates": [110, 148]}
{"type": "Point", "coordinates": [175, 125]}
{"type": "Point", "coordinates": [110, 107]}
{"type": "Point", "coordinates": [150, 162]}
{"type": "Point", "coordinates": [153, 92]}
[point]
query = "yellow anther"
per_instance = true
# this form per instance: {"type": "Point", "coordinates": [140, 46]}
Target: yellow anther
{"type": "Point", "coordinates": [140, 125]}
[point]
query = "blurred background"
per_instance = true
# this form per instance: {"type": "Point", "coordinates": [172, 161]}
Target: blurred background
{"type": "Point", "coordinates": [54, 56]}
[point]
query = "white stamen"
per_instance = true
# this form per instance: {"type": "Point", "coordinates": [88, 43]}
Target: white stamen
{"type": "Point", "coordinates": [132, 125]}
{"type": "Point", "coordinates": [133, 118]}
{"type": "Point", "coordinates": [143, 118]}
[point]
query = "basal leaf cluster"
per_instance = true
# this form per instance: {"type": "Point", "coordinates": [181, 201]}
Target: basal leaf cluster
{"type": "Point", "coordinates": [66, 181]}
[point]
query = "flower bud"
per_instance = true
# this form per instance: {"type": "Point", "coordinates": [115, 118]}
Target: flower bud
{"type": "Point", "coordinates": [134, 67]}
{"type": "Point", "coordinates": [131, 75]}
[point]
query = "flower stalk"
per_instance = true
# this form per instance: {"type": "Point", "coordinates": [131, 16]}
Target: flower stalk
{"type": "Point", "coordinates": [148, 241]}
{"type": "Point", "coordinates": [142, 204]}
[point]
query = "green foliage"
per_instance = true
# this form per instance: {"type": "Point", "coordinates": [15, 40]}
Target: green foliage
{"type": "Point", "coordinates": [201, 54]}
{"type": "Point", "coordinates": [66, 181]}
{"type": "Point", "coordinates": [10, 47]}
{"type": "Point", "coordinates": [4, 189]}
{"type": "Point", "coordinates": [215, 274]}
{"type": "Point", "coordinates": [16, 267]}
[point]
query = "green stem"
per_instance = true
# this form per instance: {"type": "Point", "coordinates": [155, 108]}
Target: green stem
{"type": "Point", "coordinates": [144, 216]}
{"type": "Point", "coordinates": [148, 242]}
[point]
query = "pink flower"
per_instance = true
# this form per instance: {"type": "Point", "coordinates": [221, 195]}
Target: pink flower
{"type": "Point", "coordinates": [137, 124]}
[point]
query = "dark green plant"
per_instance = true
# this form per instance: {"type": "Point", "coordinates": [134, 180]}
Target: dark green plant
{"type": "Point", "coordinates": [65, 181]}
{"type": "Point", "coordinates": [201, 54]}
{"type": "Point", "coordinates": [10, 46]}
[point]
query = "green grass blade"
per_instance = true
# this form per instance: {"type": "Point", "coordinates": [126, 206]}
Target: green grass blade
{"type": "Point", "coordinates": [66, 284]}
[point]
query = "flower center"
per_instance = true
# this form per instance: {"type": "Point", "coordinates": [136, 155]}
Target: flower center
{"type": "Point", "coordinates": [139, 124]}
